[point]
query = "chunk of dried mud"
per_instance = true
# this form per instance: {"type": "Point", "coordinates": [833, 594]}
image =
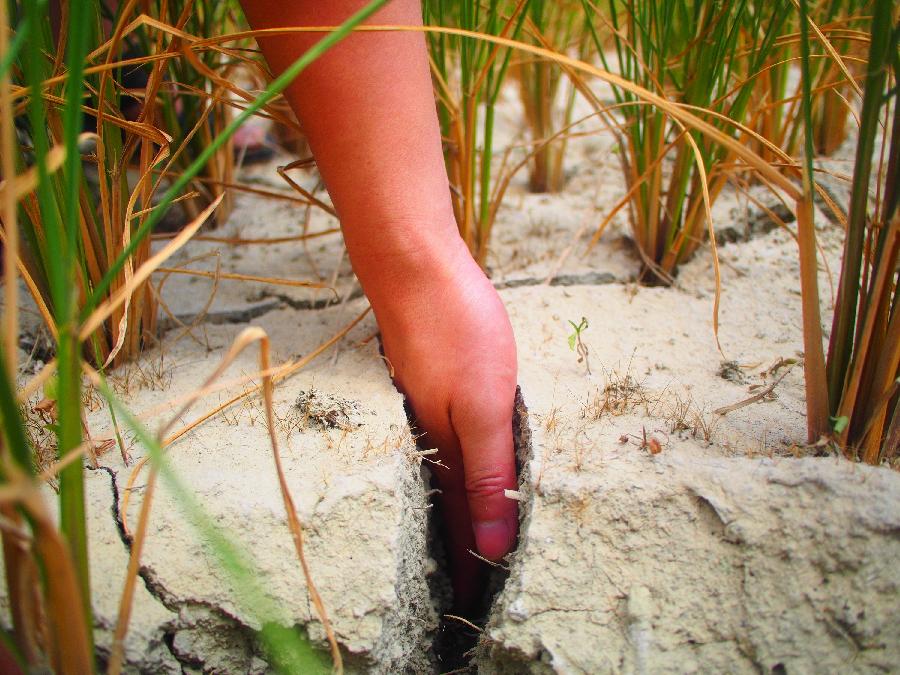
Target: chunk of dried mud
{"type": "Point", "coordinates": [327, 411]}
{"type": "Point", "coordinates": [731, 371]}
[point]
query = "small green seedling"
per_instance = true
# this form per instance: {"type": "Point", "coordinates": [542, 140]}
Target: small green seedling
{"type": "Point", "coordinates": [838, 424]}
{"type": "Point", "coordinates": [51, 387]}
{"type": "Point", "coordinates": [576, 345]}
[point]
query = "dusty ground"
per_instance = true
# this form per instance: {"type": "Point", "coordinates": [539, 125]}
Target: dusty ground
{"type": "Point", "coordinates": [721, 553]}
{"type": "Point", "coordinates": [658, 534]}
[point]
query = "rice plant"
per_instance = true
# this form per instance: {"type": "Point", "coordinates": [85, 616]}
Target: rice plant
{"type": "Point", "coordinates": [52, 210]}
{"type": "Point", "coordinates": [469, 74]}
{"type": "Point", "coordinates": [547, 109]}
{"type": "Point", "coordinates": [124, 149]}
{"type": "Point", "coordinates": [45, 89]}
{"type": "Point", "coordinates": [695, 53]}
{"type": "Point", "coordinates": [854, 395]}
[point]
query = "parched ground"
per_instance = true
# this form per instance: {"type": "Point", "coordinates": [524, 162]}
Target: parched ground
{"type": "Point", "coordinates": [672, 517]}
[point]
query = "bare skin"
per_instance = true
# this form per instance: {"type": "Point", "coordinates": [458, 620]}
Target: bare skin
{"type": "Point", "coordinates": [368, 110]}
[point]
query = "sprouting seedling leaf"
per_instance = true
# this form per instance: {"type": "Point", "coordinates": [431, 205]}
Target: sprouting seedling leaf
{"type": "Point", "coordinates": [576, 336]}
{"type": "Point", "coordinates": [838, 424]}
{"type": "Point", "coordinates": [576, 345]}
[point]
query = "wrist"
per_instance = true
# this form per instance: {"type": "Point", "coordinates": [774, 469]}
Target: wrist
{"type": "Point", "coordinates": [401, 265]}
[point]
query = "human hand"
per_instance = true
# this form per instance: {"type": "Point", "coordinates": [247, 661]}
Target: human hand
{"type": "Point", "coordinates": [367, 109]}
{"type": "Point", "coordinates": [449, 342]}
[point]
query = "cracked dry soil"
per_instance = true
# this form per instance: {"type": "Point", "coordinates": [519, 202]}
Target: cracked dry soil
{"type": "Point", "coordinates": [699, 557]}
{"type": "Point", "coordinates": [728, 550]}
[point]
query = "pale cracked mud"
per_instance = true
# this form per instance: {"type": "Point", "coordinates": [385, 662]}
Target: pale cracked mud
{"type": "Point", "coordinates": [355, 479]}
{"type": "Point", "coordinates": [721, 553]}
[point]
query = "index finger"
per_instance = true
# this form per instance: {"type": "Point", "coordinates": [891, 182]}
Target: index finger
{"type": "Point", "coordinates": [484, 429]}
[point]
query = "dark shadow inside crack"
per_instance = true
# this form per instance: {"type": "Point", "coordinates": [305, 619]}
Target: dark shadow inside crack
{"type": "Point", "coordinates": [458, 634]}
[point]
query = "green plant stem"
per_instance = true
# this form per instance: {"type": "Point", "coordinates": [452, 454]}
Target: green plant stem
{"type": "Point", "coordinates": [840, 348]}
{"type": "Point", "coordinates": [71, 479]}
{"type": "Point", "coordinates": [60, 230]}
{"type": "Point", "coordinates": [485, 187]}
{"type": "Point", "coordinates": [12, 429]}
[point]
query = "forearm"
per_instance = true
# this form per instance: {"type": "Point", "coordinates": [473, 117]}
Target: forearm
{"type": "Point", "coordinates": [368, 111]}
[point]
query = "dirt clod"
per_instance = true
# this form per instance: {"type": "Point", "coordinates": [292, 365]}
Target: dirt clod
{"type": "Point", "coordinates": [731, 371]}
{"type": "Point", "coordinates": [327, 411]}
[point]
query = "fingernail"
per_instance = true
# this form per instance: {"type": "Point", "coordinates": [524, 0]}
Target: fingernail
{"type": "Point", "coordinates": [493, 538]}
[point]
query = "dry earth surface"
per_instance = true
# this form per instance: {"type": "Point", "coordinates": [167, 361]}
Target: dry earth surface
{"type": "Point", "coordinates": [658, 534]}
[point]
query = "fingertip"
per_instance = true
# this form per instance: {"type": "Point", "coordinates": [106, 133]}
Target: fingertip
{"type": "Point", "coordinates": [495, 538]}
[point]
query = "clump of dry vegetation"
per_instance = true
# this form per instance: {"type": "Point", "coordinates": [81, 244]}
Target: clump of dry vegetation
{"type": "Point", "coordinates": [621, 394]}
{"type": "Point", "coordinates": [326, 411]}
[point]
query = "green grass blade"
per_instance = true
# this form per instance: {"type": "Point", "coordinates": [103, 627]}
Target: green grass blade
{"type": "Point", "coordinates": [79, 29]}
{"type": "Point", "coordinates": [71, 479]}
{"type": "Point", "coordinates": [840, 348]}
{"type": "Point", "coordinates": [12, 429]}
{"type": "Point", "coordinates": [61, 266]}
{"type": "Point", "coordinates": [498, 74]}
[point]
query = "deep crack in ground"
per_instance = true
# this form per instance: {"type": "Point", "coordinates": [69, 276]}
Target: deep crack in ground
{"type": "Point", "coordinates": [453, 645]}
{"type": "Point", "coordinates": [456, 639]}
{"type": "Point", "coordinates": [225, 621]}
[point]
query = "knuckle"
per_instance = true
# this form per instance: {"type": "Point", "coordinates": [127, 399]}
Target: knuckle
{"type": "Point", "coordinates": [485, 484]}
{"type": "Point", "coordinates": [483, 413]}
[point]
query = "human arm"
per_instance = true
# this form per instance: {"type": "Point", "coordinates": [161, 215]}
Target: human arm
{"type": "Point", "coordinates": [368, 111]}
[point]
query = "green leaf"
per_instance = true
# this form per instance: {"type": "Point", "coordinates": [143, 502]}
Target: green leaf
{"type": "Point", "coordinates": [838, 424]}
{"type": "Point", "coordinates": [51, 387]}
{"type": "Point", "coordinates": [12, 429]}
